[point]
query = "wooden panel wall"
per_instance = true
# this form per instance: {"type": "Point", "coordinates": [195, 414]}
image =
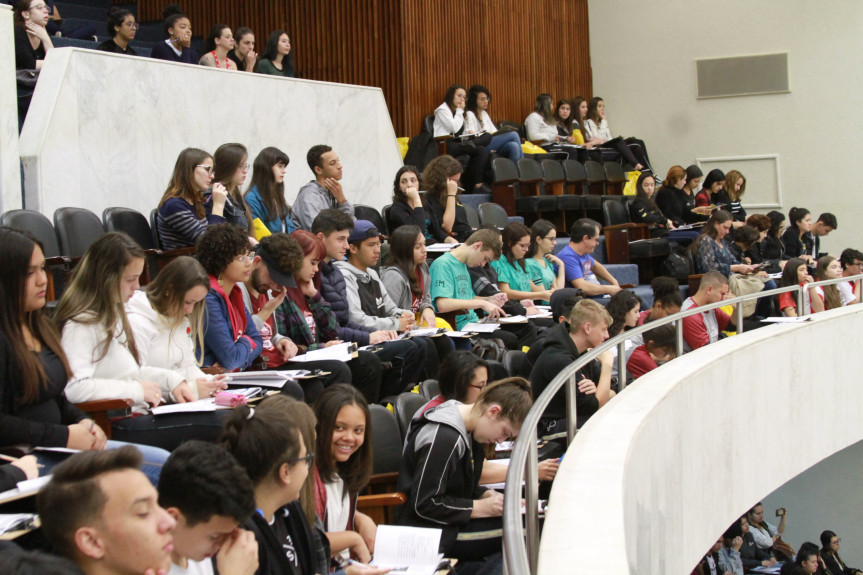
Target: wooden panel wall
{"type": "Point", "coordinates": [414, 49]}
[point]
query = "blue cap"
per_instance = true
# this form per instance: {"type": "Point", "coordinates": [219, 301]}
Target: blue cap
{"type": "Point", "coordinates": [363, 230]}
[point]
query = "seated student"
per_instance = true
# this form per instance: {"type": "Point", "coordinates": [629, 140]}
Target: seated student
{"type": "Point", "coordinates": [582, 270]}
{"type": "Point", "coordinates": [230, 169]}
{"type": "Point", "coordinates": [17, 561]}
{"type": "Point", "coordinates": [744, 237]}
{"type": "Point", "coordinates": [220, 42]}
{"type": "Point", "coordinates": [277, 59]}
{"type": "Point", "coordinates": [676, 198]}
{"type": "Point", "coordinates": [710, 189]}
{"type": "Point", "coordinates": [828, 268]}
{"type": "Point", "coordinates": [323, 192]}
{"type": "Point", "coordinates": [729, 553]}
{"type": "Point", "coordinates": [513, 278]}
{"type": "Point", "coordinates": [666, 299]}
{"type": "Point", "coordinates": [562, 302]}
{"type": "Point", "coordinates": [266, 197]}
{"type": "Point", "coordinates": [540, 259]}
{"type": "Point", "coordinates": [703, 328]}
{"type": "Point", "coordinates": [633, 150]}
{"type": "Point", "coordinates": [181, 218]}
{"type": "Point", "coordinates": [121, 31]}
{"type": "Point", "coordinates": [407, 208]}
{"type": "Point", "coordinates": [709, 565]}
{"type": "Point", "coordinates": [540, 125]}
{"type": "Point", "coordinates": [209, 496]}
{"type": "Point", "coordinates": [278, 260]}
{"type": "Point", "coordinates": [825, 224]}
{"type": "Point", "coordinates": [830, 544]}
{"type": "Point", "coordinates": [447, 217]}
{"type": "Point", "coordinates": [795, 273]}
{"type": "Point", "coordinates": [32, 41]}
{"type": "Point", "coordinates": [809, 558]}
{"type": "Point", "coordinates": [177, 48]}
{"type": "Point", "coordinates": [750, 554]}
{"type": "Point", "coordinates": [765, 534]}
{"type": "Point", "coordinates": [111, 522]}
{"type": "Point", "coordinates": [735, 187]}
{"type": "Point", "coordinates": [449, 121]}
{"type": "Point", "coordinates": [852, 265]}
{"type": "Point", "coordinates": [773, 247]}
{"type": "Point", "coordinates": [797, 240]}
{"type": "Point", "coordinates": [659, 347]}
{"type": "Point", "coordinates": [231, 340]}
{"type": "Point", "coordinates": [507, 143]}
{"type": "Point", "coordinates": [371, 308]}
{"type": "Point", "coordinates": [756, 252]}
{"type": "Point", "coordinates": [243, 54]}
{"type": "Point", "coordinates": [343, 465]}
{"type": "Point", "coordinates": [711, 253]}
{"type": "Point", "coordinates": [12, 473]}
{"type": "Point", "coordinates": [565, 120]}
{"type": "Point", "coordinates": [443, 460]}
{"type": "Point", "coordinates": [624, 308]}
{"type": "Point", "coordinates": [588, 328]}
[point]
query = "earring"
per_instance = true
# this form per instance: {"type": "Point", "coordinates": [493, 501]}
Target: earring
{"type": "Point", "coordinates": [221, 283]}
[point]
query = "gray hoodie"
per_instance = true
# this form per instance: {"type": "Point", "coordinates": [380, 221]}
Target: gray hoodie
{"type": "Point", "coordinates": [399, 288]}
{"type": "Point", "coordinates": [388, 316]}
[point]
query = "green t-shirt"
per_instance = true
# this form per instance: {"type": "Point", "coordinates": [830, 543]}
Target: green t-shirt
{"type": "Point", "coordinates": [450, 278]}
{"type": "Point", "coordinates": [507, 273]}
{"type": "Point", "coordinates": [540, 274]}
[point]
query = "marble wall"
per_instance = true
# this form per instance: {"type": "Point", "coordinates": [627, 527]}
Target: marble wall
{"type": "Point", "coordinates": [655, 476]}
{"type": "Point", "coordinates": [10, 171]}
{"type": "Point", "coordinates": [105, 129]}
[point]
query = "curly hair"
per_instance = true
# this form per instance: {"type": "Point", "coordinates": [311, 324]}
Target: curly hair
{"type": "Point", "coordinates": [219, 245]}
{"type": "Point", "coordinates": [398, 194]}
{"type": "Point", "coordinates": [436, 174]}
{"type": "Point", "coordinates": [760, 222]}
{"type": "Point", "coordinates": [284, 251]}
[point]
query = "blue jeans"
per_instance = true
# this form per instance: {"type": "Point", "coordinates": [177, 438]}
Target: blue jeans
{"type": "Point", "coordinates": [508, 145]}
{"type": "Point", "coordinates": [154, 459]}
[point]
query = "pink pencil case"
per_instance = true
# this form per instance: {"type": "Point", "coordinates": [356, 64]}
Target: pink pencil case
{"type": "Point", "coordinates": [230, 399]}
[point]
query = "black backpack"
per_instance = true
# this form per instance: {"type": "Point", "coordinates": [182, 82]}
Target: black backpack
{"type": "Point", "coordinates": [489, 349]}
{"type": "Point", "coordinates": [676, 266]}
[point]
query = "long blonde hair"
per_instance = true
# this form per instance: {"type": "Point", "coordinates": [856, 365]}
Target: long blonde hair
{"type": "Point", "coordinates": [167, 291]}
{"type": "Point", "coordinates": [93, 295]}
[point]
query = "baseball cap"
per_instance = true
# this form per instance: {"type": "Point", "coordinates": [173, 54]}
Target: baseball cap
{"type": "Point", "coordinates": [277, 275]}
{"type": "Point", "coordinates": [363, 230]}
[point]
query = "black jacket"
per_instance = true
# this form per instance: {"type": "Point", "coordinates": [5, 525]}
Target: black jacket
{"type": "Point", "coordinates": [795, 246]}
{"type": "Point", "coordinates": [272, 554]}
{"type": "Point", "coordinates": [401, 214]}
{"type": "Point", "coordinates": [677, 206]}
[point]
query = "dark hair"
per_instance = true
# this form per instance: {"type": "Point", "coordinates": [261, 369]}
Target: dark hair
{"type": "Point", "coordinates": [18, 248]}
{"type": "Point", "coordinates": [709, 231]}
{"type": "Point", "coordinates": [170, 14]}
{"type": "Point", "coordinates": [807, 550]}
{"type": "Point", "coordinates": [576, 106]}
{"type": "Point", "coordinates": [789, 272]}
{"type": "Point", "coordinates": [825, 538]}
{"type": "Point", "coordinates": [218, 247]}
{"type": "Point", "coordinates": [449, 97]}
{"type": "Point", "coordinates": [735, 530]}
{"type": "Point", "coordinates": [226, 161]}
{"type": "Point", "coordinates": [713, 176]}
{"type": "Point", "coordinates": [264, 437]}
{"type": "Point", "coordinates": [398, 194]}
{"type": "Point", "coordinates": [583, 227]}
{"type": "Point", "coordinates": [116, 17]}
{"type": "Point", "coordinates": [202, 479]}
{"type": "Point", "coordinates": [435, 176]}
{"type": "Point", "coordinates": [666, 291]}
{"type": "Point", "coordinates": [472, 96]}
{"type": "Point", "coordinates": [242, 31]}
{"type": "Point", "coordinates": [539, 229]}
{"type": "Point", "coordinates": [828, 220]}
{"type": "Point", "coordinates": [618, 306]}
{"type": "Point", "coordinates": [513, 232]}
{"type": "Point", "coordinates": [593, 110]}
{"type": "Point", "coordinates": [796, 215]}
{"type": "Point", "coordinates": [314, 157]}
{"type": "Point", "coordinates": [543, 107]}
{"type": "Point", "coordinates": [513, 395]}
{"type": "Point", "coordinates": [182, 183]}
{"type": "Point", "coordinates": [271, 50]}
{"type": "Point", "coordinates": [17, 561]}
{"type": "Point", "coordinates": [402, 243]}
{"type": "Point", "coordinates": [662, 335]}
{"type": "Point", "coordinates": [17, 11]}
{"type": "Point", "coordinates": [456, 372]}
{"type": "Point", "coordinates": [272, 193]}
{"type": "Point", "coordinates": [287, 254]}
{"type": "Point", "coordinates": [639, 190]}
{"type": "Point", "coordinates": [565, 123]}
{"type": "Point", "coordinates": [746, 235]}
{"type": "Point", "coordinates": [331, 220]}
{"type": "Point", "coordinates": [693, 171]}
{"type": "Point", "coordinates": [355, 472]}
{"type": "Point", "coordinates": [760, 222]}
{"type": "Point", "coordinates": [846, 258]}
{"type": "Point", "coordinates": [75, 490]}
{"type": "Point", "coordinates": [776, 219]}
{"type": "Point", "coordinates": [215, 33]}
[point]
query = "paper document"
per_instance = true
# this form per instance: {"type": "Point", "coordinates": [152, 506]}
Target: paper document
{"type": "Point", "coordinates": [457, 334]}
{"type": "Point", "coordinates": [541, 315]}
{"type": "Point", "coordinates": [340, 352]}
{"type": "Point", "coordinates": [420, 332]}
{"type": "Point", "coordinates": [57, 449]}
{"type": "Point", "coordinates": [512, 319]}
{"type": "Point", "coordinates": [443, 247]}
{"type": "Point", "coordinates": [202, 405]}
{"type": "Point", "coordinates": [269, 379]}
{"type": "Point", "coordinates": [10, 522]}
{"type": "Point", "coordinates": [786, 319]}
{"type": "Point", "coordinates": [481, 327]}
{"type": "Point", "coordinates": [407, 550]}
{"type": "Point", "coordinates": [25, 488]}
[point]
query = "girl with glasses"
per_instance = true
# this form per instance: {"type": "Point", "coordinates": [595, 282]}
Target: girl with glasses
{"type": "Point", "coordinates": [513, 277]}
{"type": "Point", "coordinates": [182, 218]}
{"type": "Point", "coordinates": [121, 31]}
{"type": "Point", "coordinates": [230, 169]}
{"type": "Point", "coordinates": [541, 260]}
{"type": "Point", "coordinates": [31, 38]}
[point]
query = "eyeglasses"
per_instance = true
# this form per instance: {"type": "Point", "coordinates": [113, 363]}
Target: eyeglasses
{"type": "Point", "coordinates": [208, 168]}
{"type": "Point", "coordinates": [552, 238]}
{"type": "Point", "coordinates": [246, 166]}
{"type": "Point", "coordinates": [480, 387]}
{"type": "Point", "coordinates": [308, 459]}
{"type": "Point", "coordinates": [249, 257]}
{"type": "Point", "coordinates": [524, 246]}
{"type": "Point", "coordinates": [133, 25]}
{"type": "Point", "coordinates": [38, 7]}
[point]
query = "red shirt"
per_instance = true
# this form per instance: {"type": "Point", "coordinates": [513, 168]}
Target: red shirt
{"type": "Point", "coordinates": [640, 362]}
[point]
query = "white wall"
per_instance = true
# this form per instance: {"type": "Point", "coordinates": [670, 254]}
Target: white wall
{"type": "Point", "coordinates": [643, 56]}
{"type": "Point", "coordinates": [10, 172]}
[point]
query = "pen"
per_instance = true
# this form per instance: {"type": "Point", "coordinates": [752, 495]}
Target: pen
{"type": "Point", "coordinates": [559, 459]}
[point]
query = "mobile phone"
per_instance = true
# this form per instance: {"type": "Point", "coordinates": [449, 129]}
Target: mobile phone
{"type": "Point", "coordinates": [780, 512]}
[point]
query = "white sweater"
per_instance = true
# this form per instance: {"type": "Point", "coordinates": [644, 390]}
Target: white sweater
{"type": "Point", "coordinates": [537, 129]}
{"type": "Point", "coordinates": [116, 375]}
{"type": "Point", "coordinates": [159, 345]}
{"type": "Point", "coordinates": [445, 123]}
{"type": "Point", "coordinates": [474, 126]}
{"type": "Point", "coordinates": [602, 131]}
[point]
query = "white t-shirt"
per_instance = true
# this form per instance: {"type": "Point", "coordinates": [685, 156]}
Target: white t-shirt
{"type": "Point", "coordinates": [193, 568]}
{"type": "Point", "coordinates": [846, 292]}
{"type": "Point", "coordinates": [338, 510]}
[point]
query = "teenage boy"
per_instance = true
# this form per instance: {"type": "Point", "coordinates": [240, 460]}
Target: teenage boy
{"type": "Point", "coordinates": [703, 328]}
{"type": "Point", "coordinates": [102, 512]}
{"type": "Point", "coordinates": [852, 265]}
{"type": "Point", "coordinates": [323, 192]}
{"type": "Point", "coordinates": [334, 228]}
{"type": "Point", "coordinates": [209, 496]}
{"type": "Point", "coordinates": [588, 328]}
{"type": "Point", "coordinates": [581, 269]}
{"type": "Point", "coordinates": [825, 224]}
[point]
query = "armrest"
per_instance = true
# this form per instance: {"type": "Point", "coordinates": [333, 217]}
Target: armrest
{"type": "Point", "coordinates": [382, 500]}
{"type": "Point", "coordinates": [104, 405]}
{"type": "Point", "coordinates": [61, 261]}
{"type": "Point", "coordinates": [639, 232]}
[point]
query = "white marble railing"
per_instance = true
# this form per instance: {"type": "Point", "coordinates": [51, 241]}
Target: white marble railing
{"type": "Point", "coordinates": [656, 474]}
{"type": "Point", "coordinates": [10, 173]}
{"type": "Point", "coordinates": [105, 129]}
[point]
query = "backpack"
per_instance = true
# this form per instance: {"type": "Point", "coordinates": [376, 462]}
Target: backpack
{"type": "Point", "coordinates": [676, 266]}
{"type": "Point", "coordinates": [422, 149]}
{"type": "Point", "coordinates": [489, 349]}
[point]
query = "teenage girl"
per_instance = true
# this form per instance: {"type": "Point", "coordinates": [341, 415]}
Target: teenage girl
{"type": "Point", "coordinates": [513, 277]}
{"type": "Point", "coordinates": [230, 168]}
{"type": "Point", "coordinates": [796, 273]}
{"type": "Point", "coordinates": [219, 43]}
{"type": "Point", "coordinates": [266, 197]}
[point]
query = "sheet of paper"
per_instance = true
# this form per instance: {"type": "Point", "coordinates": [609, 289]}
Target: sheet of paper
{"type": "Point", "coordinates": [422, 332]}
{"type": "Point", "coordinates": [340, 352]}
{"type": "Point", "coordinates": [512, 319]}
{"type": "Point", "coordinates": [541, 315]}
{"type": "Point", "coordinates": [457, 334]}
{"type": "Point", "coordinates": [16, 521]}
{"type": "Point", "coordinates": [294, 373]}
{"type": "Point", "coordinates": [202, 405]}
{"type": "Point", "coordinates": [443, 247]}
{"type": "Point", "coordinates": [504, 446]}
{"type": "Point", "coordinates": [31, 485]}
{"type": "Point", "coordinates": [785, 319]}
{"type": "Point", "coordinates": [408, 550]}
{"type": "Point", "coordinates": [268, 379]}
{"type": "Point", "coordinates": [57, 449]}
{"type": "Point", "coordinates": [775, 276]}
{"type": "Point", "coordinates": [481, 327]}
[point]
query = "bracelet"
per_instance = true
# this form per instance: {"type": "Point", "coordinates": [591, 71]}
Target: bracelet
{"type": "Point", "coordinates": [451, 195]}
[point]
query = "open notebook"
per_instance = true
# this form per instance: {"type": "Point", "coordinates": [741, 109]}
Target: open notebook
{"type": "Point", "coordinates": [407, 550]}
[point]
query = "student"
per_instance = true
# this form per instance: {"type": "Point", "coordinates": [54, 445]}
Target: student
{"type": "Point", "coordinates": [541, 125]}
{"type": "Point", "coordinates": [277, 59]}
{"type": "Point", "coordinates": [643, 209]}
{"type": "Point", "coordinates": [181, 218]}
{"type": "Point", "coordinates": [14, 472]}
{"type": "Point", "coordinates": [588, 328]}
{"type": "Point", "coordinates": [666, 299]}
{"type": "Point", "coordinates": [463, 375]}
{"type": "Point", "coordinates": [32, 41]}
{"type": "Point", "coordinates": [774, 248]}
{"type": "Point", "coordinates": [703, 328]}
{"type": "Point", "coordinates": [513, 277]}
{"type": "Point", "coordinates": [507, 143]}
{"type": "Point", "coordinates": [828, 268]}
{"type": "Point", "coordinates": [323, 192]}
{"type": "Point", "coordinates": [177, 48]}
{"type": "Point", "coordinates": [449, 121]}
{"type": "Point", "coordinates": [447, 217]}
{"type": "Point", "coordinates": [266, 197]}
{"type": "Point", "coordinates": [809, 558]}
{"type": "Point", "coordinates": [342, 470]}
{"type": "Point", "coordinates": [561, 303]}
{"type": "Point", "coordinates": [830, 544]}
{"type": "Point", "coordinates": [582, 270]}
{"type": "Point", "coordinates": [540, 259]}
{"type": "Point", "coordinates": [209, 496]}
{"type": "Point", "coordinates": [761, 224]}
{"type": "Point", "coordinates": [729, 553]}
{"type": "Point", "coordinates": [852, 265]}
{"type": "Point", "coordinates": [709, 565]}
{"type": "Point", "coordinates": [121, 31]}
{"type": "Point", "coordinates": [750, 554]}
{"type": "Point", "coordinates": [709, 194]}
{"type": "Point", "coordinates": [711, 253]}
{"type": "Point", "coordinates": [563, 115]}
{"type": "Point", "coordinates": [111, 522]}
{"type": "Point", "coordinates": [443, 460]}
{"type": "Point", "coordinates": [230, 169]}
{"type": "Point", "coordinates": [660, 347]}
{"type": "Point", "coordinates": [243, 54]}
{"type": "Point", "coordinates": [735, 187]}
{"type": "Point", "coordinates": [764, 533]}
{"type": "Point", "coordinates": [795, 273]}
{"type": "Point", "coordinates": [407, 205]}
{"type": "Point", "coordinates": [797, 241]}
{"type": "Point", "coordinates": [231, 340]}
{"type": "Point", "coordinates": [624, 308]}
{"type": "Point", "coordinates": [371, 308]}
{"type": "Point", "coordinates": [822, 227]}
{"type": "Point", "coordinates": [406, 277]}
{"type": "Point", "coordinates": [219, 43]}
{"type": "Point", "coordinates": [632, 150]}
